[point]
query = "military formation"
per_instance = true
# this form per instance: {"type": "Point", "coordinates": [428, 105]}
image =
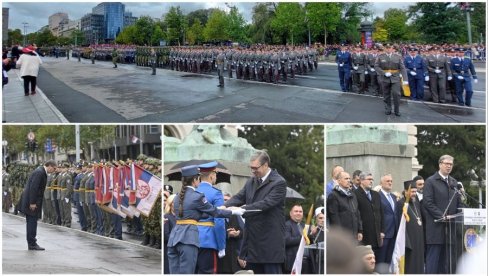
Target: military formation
{"type": "Point", "coordinates": [73, 186]}
{"type": "Point", "coordinates": [448, 71]}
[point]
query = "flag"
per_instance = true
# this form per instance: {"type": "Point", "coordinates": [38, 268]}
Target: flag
{"type": "Point", "coordinates": [297, 264]}
{"type": "Point", "coordinates": [397, 265]}
{"type": "Point", "coordinates": [128, 193]}
{"type": "Point", "coordinates": [134, 139]}
{"type": "Point", "coordinates": [148, 189]}
{"type": "Point", "coordinates": [98, 175]}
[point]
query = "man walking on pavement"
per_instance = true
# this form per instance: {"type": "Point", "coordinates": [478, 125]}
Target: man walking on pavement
{"type": "Point", "coordinates": [31, 201]}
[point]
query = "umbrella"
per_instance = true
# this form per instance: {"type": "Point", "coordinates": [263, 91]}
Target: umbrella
{"type": "Point", "coordinates": [223, 175]}
{"type": "Point", "coordinates": [290, 193]}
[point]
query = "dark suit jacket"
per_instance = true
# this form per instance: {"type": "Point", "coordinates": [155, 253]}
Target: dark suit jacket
{"type": "Point", "coordinates": [437, 195]}
{"type": "Point", "coordinates": [293, 236]}
{"type": "Point", "coordinates": [371, 216]}
{"type": "Point", "coordinates": [264, 232]}
{"type": "Point", "coordinates": [390, 220]}
{"type": "Point", "coordinates": [342, 210]}
{"type": "Point", "coordinates": [34, 192]}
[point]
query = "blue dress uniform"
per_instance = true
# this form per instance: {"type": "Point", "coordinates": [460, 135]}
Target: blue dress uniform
{"type": "Point", "coordinates": [211, 230]}
{"type": "Point", "coordinates": [184, 241]}
{"type": "Point", "coordinates": [343, 60]}
{"type": "Point", "coordinates": [416, 70]}
{"type": "Point", "coordinates": [463, 69]}
{"type": "Point", "coordinates": [77, 202]}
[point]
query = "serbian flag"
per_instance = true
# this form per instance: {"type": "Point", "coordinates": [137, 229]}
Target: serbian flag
{"type": "Point", "coordinates": [148, 189]}
{"type": "Point", "coordinates": [98, 174]}
{"type": "Point", "coordinates": [129, 193]}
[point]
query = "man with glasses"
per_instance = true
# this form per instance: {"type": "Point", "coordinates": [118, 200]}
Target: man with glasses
{"type": "Point", "coordinates": [31, 201]}
{"type": "Point", "coordinates": [439, 190]}
{"type": "Point", "coordinates": [263, 246]}
{"type": "Point", "coordinates": [212, 233]}
{"type": "Point", "coordinates": [369, 205]}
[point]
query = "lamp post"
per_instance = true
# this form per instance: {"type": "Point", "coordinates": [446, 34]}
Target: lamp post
{"type": "Point", "coordinates": [479, 182]}
{"type": "Point", "coordinates": [4, 144]}
{"type": "Point", "coordinates": [467, 8]}
{"type": "Point", "coordinates": [25, 31]}
{"type": "Point", "coordinates": [91, 150]}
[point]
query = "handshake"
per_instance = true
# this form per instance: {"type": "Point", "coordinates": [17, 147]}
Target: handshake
{"type": "Point", "coordinates": [237, 211]}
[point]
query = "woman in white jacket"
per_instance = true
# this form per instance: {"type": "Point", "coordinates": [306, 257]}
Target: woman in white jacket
{"type": "Point", "coordinates": [29, 64]}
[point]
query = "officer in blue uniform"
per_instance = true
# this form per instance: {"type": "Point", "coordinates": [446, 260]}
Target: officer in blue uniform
{"type": "Point", "coordinates": [76, 197]}
{"type": "Point", "coordinates": [190, 206]}
{"type": "Point", "coordinates": [211, 230]}
{"type": "Point", "coordinates": [462, 69]}
{"type": "Point", "coordinates": [343, 60]}
{"type": "Point", "coordinates": [416, 70]}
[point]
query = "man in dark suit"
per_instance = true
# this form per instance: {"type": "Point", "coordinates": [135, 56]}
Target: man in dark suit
{"type": "Point", "coordinates": [439, 189]}
{"type": "Point", "coordinates": [31, 201]}
{"type": "Point", "coordinates": [263, 246]}
{"type": "Point", "coordinates": [369, 205]}
{"type": "Point", "coordinates": [390, 220]}
{"type": "Point", "coordinates": [293, 235]}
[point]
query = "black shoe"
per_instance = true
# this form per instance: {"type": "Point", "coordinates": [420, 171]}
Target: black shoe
{"type": "Point", "coordinates": [398, 114]}
{"type": "Point", "coordinates": [36, 247]}
{"type": "Point", "coordinates": [388, 112]}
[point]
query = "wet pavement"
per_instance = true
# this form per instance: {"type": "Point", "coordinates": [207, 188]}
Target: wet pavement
{"type": "Point", "coordinates": [83, 92]}
{"type": "Point", "coordinates": [71, 251]}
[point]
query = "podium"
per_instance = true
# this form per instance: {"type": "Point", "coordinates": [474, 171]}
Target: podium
{"type": "Point", "coordinates": [462, 233]}
{"type": "Point", "coordinates": [315, 252]}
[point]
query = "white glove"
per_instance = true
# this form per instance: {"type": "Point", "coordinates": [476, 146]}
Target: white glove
{"type": "Point", "coordinates": [427, 78]}
{"type": "Point", "coordinates": [449, 78]}
{"type": "Point", "coordinates": [475, 80]}
{"type": "Point", "coordinates": [81, 203]}
{"type": "Point", "coordinates": [238, 211]}
{"type": "Point", "coordinates": [405, 83]}
{"type": "Point", "coordinates": [366, 72]}
{"type": "Point", "coordinates": [355, 67]}
{"type": "Point", "coordinates": [340, 65]}
{"type": "Point", "coordinates": [413, 73]}
{"type": "Point", "coordinates": [387, 74]}
{"type": "Point", "coordinates": [372, 70]}
{"type": "Point", "coordinates": [460, 77]}
{"type": "Point", "coordinates": [67, 200]}
{"type": "Point", "coordinates": [221, 253]}
{"type": "Point", "coordinates": [5, 193]}
{"type": "Point", "coordinates": [437, 71]}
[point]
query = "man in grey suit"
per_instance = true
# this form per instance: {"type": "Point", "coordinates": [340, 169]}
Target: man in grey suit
{"type": "Point", "coordinates": [31, 201]}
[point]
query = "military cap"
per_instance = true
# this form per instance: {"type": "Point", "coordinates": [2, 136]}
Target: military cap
{"type": "Point", "coordinates": [208, 167]}
{"type": "Point", "coordinates": [409, 183]}
{"type": "Point", "coordinates": [79, 166]}
{"type": "Point", "coordinates": [141, 157]}
{"type": "Point", "coordinates": [388, 45]}
{"type": "Point", "coordinates": [189, 171]}
{"type": "Point", "coordinates": [461, 50]}
{"type": "Point", "coordinates": [121, 162]}
{"type": "Point", "coordinates": [168, 188]}
{"type": "Point", "coordinates": [413, 49]}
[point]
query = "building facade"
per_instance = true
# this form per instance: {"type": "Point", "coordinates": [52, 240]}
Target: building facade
{"type": "Point", "coordinates": [92, 28]}
{"type": "Point", "coordinates": [113, 19]}
{"type": "Point", "coordinates": [4, 26]}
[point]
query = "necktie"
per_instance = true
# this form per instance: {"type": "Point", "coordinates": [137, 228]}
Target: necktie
{"type": "Point", "coordinates": [368, 193]}
{"type": "Point", "coordinates": [260, 181]}
{"type": "Point", "coordinates": [391, 202]}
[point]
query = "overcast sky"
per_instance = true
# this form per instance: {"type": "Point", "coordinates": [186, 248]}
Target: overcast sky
{"type": "Point", "coordinates": [36, 14]}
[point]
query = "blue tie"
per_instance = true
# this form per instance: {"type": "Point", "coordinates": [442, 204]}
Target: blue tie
{"type": "Point", "coordinates": [368, 193]}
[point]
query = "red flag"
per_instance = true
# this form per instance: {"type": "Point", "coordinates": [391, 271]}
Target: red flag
{"type": "Point", "coordinates": [98, 174]}
{"type": "Point", "coordinates": [108, 178]}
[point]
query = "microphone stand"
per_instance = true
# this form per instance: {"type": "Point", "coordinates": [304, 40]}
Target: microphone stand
{"type": "Point", "coordinates": [468, 196]}
{"type": "Point", "coordinates": [318, 251]}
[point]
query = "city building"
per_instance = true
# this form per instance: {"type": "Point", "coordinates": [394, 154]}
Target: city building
{"type": "Point", "coordinates": [129, 19]}
{"type": "Point", "coordinates": [113, 19]}
{"type": "Point", "coordinates": [66, 29]}
{"type": "Point", "coordinates": [56, 21]}
{"type": "Point", "coordinates": [4, 26]}
{"type": "Point", "coordinates": [92, 28]}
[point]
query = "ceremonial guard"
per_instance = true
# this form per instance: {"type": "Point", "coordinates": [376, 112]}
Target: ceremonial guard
{"type": "Point", "coordinates": [439, 70]}
{"type": "Point", "coordinates": [417, 71]}
{"type": "Point", "coordinates": [154, 58]}
{"type": "Point", "coordinates": [220, 67]}
{"type": "Point", "coordinates": [190, 206]}
{"type": "Point", "coordinates": [463, 70]}
{"type": "Point", "coordinates": [343, 60]}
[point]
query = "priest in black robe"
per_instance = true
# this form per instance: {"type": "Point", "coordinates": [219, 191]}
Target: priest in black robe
{"type": "Point", "coordinates": [414, 239]}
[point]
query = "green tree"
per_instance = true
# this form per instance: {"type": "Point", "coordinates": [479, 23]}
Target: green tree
{"type": "Point", "coordinates": [195, 33]}
{"type": "Point", "coordinates": [201, 15]}
{"type": "Point", "coordinates": [352, 15]}
{"type": "Point", "coordinates": [217, 22]}
{"type": "Point", "coordinates": [15, 37]}
{"type": "Point", "coordinates": [77, 37]}
{"type": "Point", "coordinates": [297, 153]}
{"type": "Point", "coordinates": [438, 22]}
{"type": "Point", "coordinates": [289, 21]}
{"type": "Point", "coordinates": [260, 30]}
{"type": "Point", "coordinates": [478, 21]}
{"type": "Point", "coordinates": [127, 36]}
{"type": "Point", "coordinates": [144, 30]}
{"type": "Point", "coordinates": [45, 38]}
{"type": "Point", "coordinates": [465, 143]}
{"type": "Point", "coordinates": [323, 17]}
{"type": "Point", "coordinates": [396, 24]}
{"type": "Point", "coordinates": [157, 35]}
{"type": "Point", "coordinates": [176, 26]}
{"type": "Point", "coordinates": [236, 25]}
{"type": "Point", "coordinates": [380, 34]}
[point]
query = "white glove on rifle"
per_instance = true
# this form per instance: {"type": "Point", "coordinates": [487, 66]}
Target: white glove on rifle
{"type": "Point", "coordinates": [372, 70]}
{"type": "Point", "coordinates": [437, 71]}
{"type": "Point", "coordinates": [413, 73]}
{"type": "Point", "coordinates": [238, 211]}
{"type": "Point", "coordinates": [387, 74]}
{"type": "Point", "coordinates": [355, 67]}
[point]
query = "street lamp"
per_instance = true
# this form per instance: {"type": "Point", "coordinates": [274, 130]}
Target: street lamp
{"type": "Point", "coordinates": [25, 31]}
{"type": "Point", "coordinates": [479, 182]}
{"type": "Point", "coordinates": [91, 150]}
{"type": "Point", "coordinates": [467, 7]}
{"type": "Point", "coordinates": [4, 144]}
